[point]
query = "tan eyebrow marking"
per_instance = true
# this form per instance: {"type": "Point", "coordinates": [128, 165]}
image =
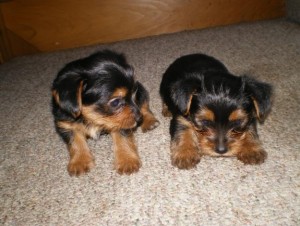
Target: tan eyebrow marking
{"type": "Point", "coordinates": [207, 114]}
{"type": "Point", "coordinates": [120, 92]}
{"type": "Point", "coordinates": [238, 114]}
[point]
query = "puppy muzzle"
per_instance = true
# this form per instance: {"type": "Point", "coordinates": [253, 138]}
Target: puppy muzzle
{"type": "Point", "coordinates": [221, 147]}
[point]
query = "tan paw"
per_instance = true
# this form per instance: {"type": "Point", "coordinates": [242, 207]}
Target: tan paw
{"type": "Point", "coordinates": [81, 164]}
{"type": "Point", "coordinates": [127, 165]}
{"type": "Point", "coordinates": [252, 157]}
{"type": "Point", "coordinates": [185, 159]}
{"type": "Point", "coordinates": [149, 123]}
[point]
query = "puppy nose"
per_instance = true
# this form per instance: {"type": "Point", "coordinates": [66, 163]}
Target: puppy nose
{"type": "Point", "coordinates": [221, 140]}
{"type": "Point", "coordinates": [221, 149]}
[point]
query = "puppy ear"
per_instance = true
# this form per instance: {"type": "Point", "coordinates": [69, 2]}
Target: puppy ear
{"type": "Point", "coordinates": [66, 91]}
{"type": "Point", "coordinates": [182, 95]}
{"type": "Point", "coordinates": [261, 94]}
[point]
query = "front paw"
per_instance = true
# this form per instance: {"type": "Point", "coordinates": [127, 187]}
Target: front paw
{"type": "Point", "coordinates": [185, 158]}
{"type": "Point", "coordinates": [149, 123]}
{"type": "Point", "coordinates": [127, 165]}
{"type": "Point", "coordinates": [252, 157]}
{"type": "Point", "coordinates": [81, 164]}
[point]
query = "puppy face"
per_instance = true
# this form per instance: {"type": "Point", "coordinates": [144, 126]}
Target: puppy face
{"type": "Point", "coordinates": [222, 126]}
{"type": "Point", "coordinates": [118, 111]}
{"type": "Point", "coordinates": [225, 113]}
{"type": "Point", "coordinates": [100, 90]}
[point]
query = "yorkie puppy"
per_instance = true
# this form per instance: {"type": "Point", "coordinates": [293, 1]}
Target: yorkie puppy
{"type": "Point", "coordinates": [99, 94]}
{"type": "Point", "coordinates": [213, 112]}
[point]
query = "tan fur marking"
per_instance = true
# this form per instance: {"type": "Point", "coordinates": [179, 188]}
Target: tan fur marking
{"type": "Point", "coordinates": [78, 127]}
{"type": "Point", "coordinates": [127, 160]}
{"type": "Point", "coordinates": [81, 159]}
{"type": "Point", "coordinates": [238, 114]}
{"type": "Point", "coordinates": [245, 146]}
{"type": "Point", "coordinates": [149, 121]}
{"type": "Point", "coordinates": [207, 146]}
{"type": "Point", "coordinates": [55, 96]}
{"type": "Point", "coordinates": [256, 109]}
{"type": "Point", "coordinates": [189, 105]}
{"type": "Point", "coordinates": [184, 147]}
{"type": "Point", "coordinates": [206, 114]}
{"type": "Point", "coordinates": [120, 92]}
{"type": "Point", "coordinates": [124, 119]}
{"type": "Point", "coordinates": [87, 130]}
{"type": "Point", "coordinates": [249, 149]}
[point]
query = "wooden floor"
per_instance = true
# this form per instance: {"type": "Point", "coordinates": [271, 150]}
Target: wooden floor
{"type": "Point", "coordinates": [39, 26]}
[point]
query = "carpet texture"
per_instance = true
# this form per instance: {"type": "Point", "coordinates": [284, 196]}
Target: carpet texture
{"type": "Point", "coordinates": [35, 188]}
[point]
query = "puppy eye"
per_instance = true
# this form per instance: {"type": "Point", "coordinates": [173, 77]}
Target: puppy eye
{"type": "Point", "coordinates": [116, 102]}
{"type": "Point", "coordinates": [236, 123]}
{"type": "Point", "coordinates": [206, 123]}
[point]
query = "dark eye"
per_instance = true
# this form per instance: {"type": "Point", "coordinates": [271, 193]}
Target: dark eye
{"type": "Point", "coordinates": [206, 123]}
{"type": "Point", "coordinates": [116, 102]}
{"type": "Point", "coordinates": [237, 126]}
{"type": "Point", "coordinates": [236, 123]}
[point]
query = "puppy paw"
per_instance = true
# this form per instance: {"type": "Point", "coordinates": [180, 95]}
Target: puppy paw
{"type": "Point", "coordinates": [149, 123]}
{"type": "Point", "coordinates": [252, 157]}
{"type": "Point", "coordinates": [185, 159]}
{"type": "Point", "coordinates": [81, 164]}
{"type": "Point", "coordinates": [128, 166]}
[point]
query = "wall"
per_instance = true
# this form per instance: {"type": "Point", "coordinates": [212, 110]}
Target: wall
{"type": "Point", "coordinates": [34, 25]}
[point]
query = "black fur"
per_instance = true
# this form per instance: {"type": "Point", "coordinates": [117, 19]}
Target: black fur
{"type": "Point", "coordinates": [210, 83]}
{"type": "Point", "coordinates": [100, 73]}
{"type": "Point", "coordinates": [198, 81]}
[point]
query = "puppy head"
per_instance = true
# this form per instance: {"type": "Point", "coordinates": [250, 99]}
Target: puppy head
{"type": "Point", "coordinates": [225, 109]}
{"type": "Point", "coordinates": [99, 89]}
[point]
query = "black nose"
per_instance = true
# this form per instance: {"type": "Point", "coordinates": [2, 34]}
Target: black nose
{"type": "Point", "coordinates": [221, 149]}
{"type": "Point", "coordinates": [221, 141]}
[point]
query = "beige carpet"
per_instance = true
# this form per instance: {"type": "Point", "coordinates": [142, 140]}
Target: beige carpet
{"type": "Point", "coordinates": [35, 188]}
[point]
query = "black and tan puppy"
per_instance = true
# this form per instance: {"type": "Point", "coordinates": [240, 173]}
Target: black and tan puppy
{"type": "Point", "coordinates": [99, 94]}
{"type": "Point", "coordinates": [213, 112]}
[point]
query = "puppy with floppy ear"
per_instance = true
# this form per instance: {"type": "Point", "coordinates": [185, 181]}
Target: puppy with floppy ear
{"type": "Point", "coordinates": [99, 94]}
{"type": "Point", "coordinates": [213, 112]}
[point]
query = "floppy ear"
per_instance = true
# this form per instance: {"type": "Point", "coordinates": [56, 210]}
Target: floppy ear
{"type": "Point", "coordinates": [66, 91]}
{"type": "Point", "coordinates": [182, 95]}
{"type": "Point", "coordinates": [261, 94]}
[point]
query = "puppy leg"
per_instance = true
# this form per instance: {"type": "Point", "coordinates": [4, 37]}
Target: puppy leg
{"type": "Point", "coordinates": [184, 144]}
{"type": "Point", "coordinates": [142, 100]}
{"type": "Point", "coordinates": [253, 155]}
{"type": "Point", "coordinates": [149, 121]}
{"type": "Point", "coordinates": [127, 160]}
{"type": "Point", "coordinates": [250, 151]}
{"type": "Point", "coordinates": [81, 159]}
